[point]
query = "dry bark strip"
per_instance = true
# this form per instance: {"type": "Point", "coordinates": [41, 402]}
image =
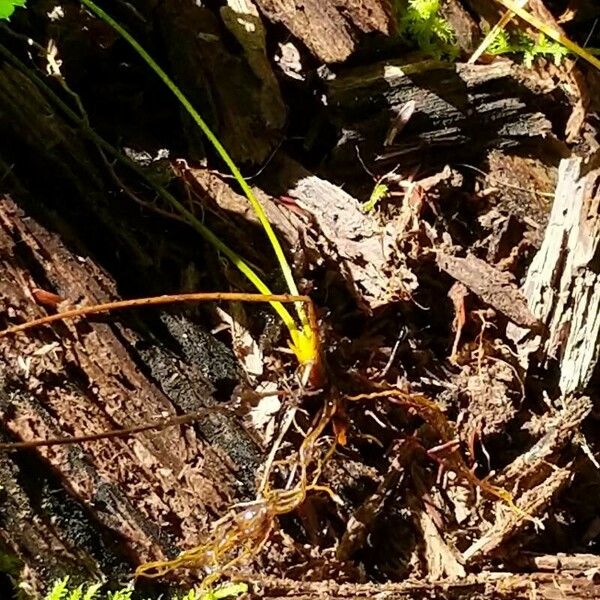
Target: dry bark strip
{"type": "Point", "coordinates": [563, 562]}
{"type": "Point", "coordinates": [127, 500]}
{"type": "Point", "coordinates": [563, 281]}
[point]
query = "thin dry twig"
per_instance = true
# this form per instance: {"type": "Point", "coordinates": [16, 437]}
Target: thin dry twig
{"type": "Point", "coordinates": [93, 437]}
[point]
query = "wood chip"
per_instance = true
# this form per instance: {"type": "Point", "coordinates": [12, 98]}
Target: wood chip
{"type": "Point", "coordinates": [494, 287]}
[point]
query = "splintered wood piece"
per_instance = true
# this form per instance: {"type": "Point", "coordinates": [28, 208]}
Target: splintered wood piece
{"type": "Point", "coordinates": [442, 560]}
{"type": "Point", "coordinates": [559, 428]}
{"type": "Point", "coordinates": [563, 282]}
{"type": "Point", "coordinates": [537, 477]}
{"type": "Point", "coordinates": [458, 294]}
{"type": "Point", "coordinates": [508, 523]}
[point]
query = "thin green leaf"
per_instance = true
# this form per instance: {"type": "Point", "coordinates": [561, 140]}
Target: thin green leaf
{"type": "Point", "coordinates": [7, 7]}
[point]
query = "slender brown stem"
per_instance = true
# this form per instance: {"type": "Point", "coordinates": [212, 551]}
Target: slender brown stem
{"type": "Point", "coordinates": [166, 299]}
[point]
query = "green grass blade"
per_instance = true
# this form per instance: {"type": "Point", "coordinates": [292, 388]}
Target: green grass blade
{"type": "Point", "coordinates": [256, 205]}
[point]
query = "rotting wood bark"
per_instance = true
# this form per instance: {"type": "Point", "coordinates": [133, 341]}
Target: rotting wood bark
{"type": "Point", "coordinates": [329, 28]}
{"type": "Point", "coordinates": [151, 493]}
{"type": "Point", "coordinates": [240, 94]}
{"type": "Point", "coordinates": [559, 429]}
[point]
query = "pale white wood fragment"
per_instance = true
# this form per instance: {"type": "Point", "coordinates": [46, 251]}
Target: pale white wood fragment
{"type": "Point", "coordinates": [563, 282]}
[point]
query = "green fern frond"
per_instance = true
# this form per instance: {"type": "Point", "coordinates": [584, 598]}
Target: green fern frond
{"type": "Point", "coordinates": [92, 592]}
{"type": "Point", "coordinates": [421, 23]}
{"type": "Point", "coordinates": [76, 593]}
{"type": "Point", "coordinates": [544, 45]}
{"type": "Point", "coordinates": [59, 590]}
{"type": "Point", "coordinates": [530, 48]}
{"type": "Point", "coordinates": [124, 594]}
{"type": "Point", "coordinates": [500, 44]}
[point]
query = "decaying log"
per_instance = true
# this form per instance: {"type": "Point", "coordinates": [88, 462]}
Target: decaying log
{"type": "Point", "coordinates": [563, 281]}
{"type": "Point", "coordinates": [465, 108]}
{"type": "Point", "coordinates": [109, 503]}
{"type": "Point", "coordinates": [97, 509]}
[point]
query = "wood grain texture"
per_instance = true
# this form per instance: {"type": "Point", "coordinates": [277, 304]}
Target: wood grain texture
{"type": "Point", "coordinates": [563, 281]}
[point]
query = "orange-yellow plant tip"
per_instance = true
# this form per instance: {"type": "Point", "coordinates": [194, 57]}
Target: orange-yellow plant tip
{"type": "Point", "coordinates": [305, 345]}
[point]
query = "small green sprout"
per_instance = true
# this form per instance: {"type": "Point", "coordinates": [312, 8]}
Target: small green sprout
{"type": "Point", "coordinates": [379, 192]}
